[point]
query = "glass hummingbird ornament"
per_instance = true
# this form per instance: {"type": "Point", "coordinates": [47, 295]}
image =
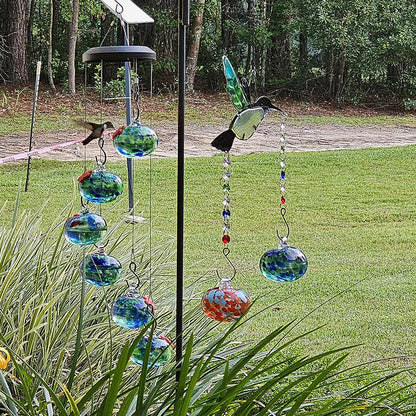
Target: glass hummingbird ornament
{"type": "Point", "coordinates": [100, 269]}
{"type": "Point", "coordinates": [85, 228]}
{"type": "Point", "coordinates": [99, 186]}
{"type": "Point", "coordinates": [135, 140]}
{"type": "Point", "coordinates": [284, 264]}
{"type": "Point", "coordinates": [249, 115]}
{"type": "Point", "coordinates": [224, 303]}
{"type": "Point", "coordinates": [161, 351]}
{"type": "Point", "coordinates": [133, 310]}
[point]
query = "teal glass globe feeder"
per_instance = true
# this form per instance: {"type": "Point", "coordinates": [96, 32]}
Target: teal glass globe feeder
{"type": "Point", "coordinates": [132, 310]}
{"type": "Point", "coordinates": [100, 269]}
{"type": "Point", "coordinates": [99, 186]}
{"type": "Point", "coordinates": [284, 264]}
{"type": "Point", "coordinates": [161, 351]}
{"type": "Point", "coordinates": [136, 140]}
{"type": "Point", "coordinates": [85, 228]}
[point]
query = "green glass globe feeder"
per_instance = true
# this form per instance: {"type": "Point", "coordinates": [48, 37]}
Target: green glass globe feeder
{"type": "Point", "coordinates": [85, 228]}
{"type": "Point", "coordinates": [99, 186]}
{"type": "Point", "coordinates": [132, 310]}
{"type": "Point", "coordinates": [136, 140]}
{"type": "Point", "coordinates": [100, 269]}
{"type": "Point", "coordinates": [161, 351]}
{"type": "Point", "coordinates": [284, 264]}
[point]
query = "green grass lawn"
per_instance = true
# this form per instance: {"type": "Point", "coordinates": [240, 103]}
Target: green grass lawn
{"type": "Point", "coordinates": [352, 212]}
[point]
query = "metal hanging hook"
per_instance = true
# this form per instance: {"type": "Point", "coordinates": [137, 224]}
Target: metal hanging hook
{"type": "Point", "coordinates": [83, 204]}
{"type": "Point", "coordinates": [101, 247]}
{"type": "Point", "coordinates": [133, 267]}
{"type": "Point", "coordinates": [119, 8]}
{"type": "Point", "coordinates": [102, 152]}
{"type": "Point", "coordinates": [284, 238]}
{"type": "Point", "coordinates": [226, 252]}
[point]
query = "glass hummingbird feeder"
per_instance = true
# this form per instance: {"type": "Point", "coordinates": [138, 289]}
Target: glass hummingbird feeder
{"type": "Point", "coordinates": [99, 186]}
{"type": "Point", "coordinates": [161, 351]}
{"type": "Point", "coordinates": [100, 269]}
{"type": "Point", "coordinates": [85, 228]}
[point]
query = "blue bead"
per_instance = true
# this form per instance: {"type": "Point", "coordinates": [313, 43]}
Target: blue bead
{"type": "Point", "coordinates": [282, 174]}
{"type": "Point", "coordinates": [226, 213]}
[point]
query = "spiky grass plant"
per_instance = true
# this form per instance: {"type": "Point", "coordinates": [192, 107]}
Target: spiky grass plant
{"type": "Point", "coordinates": [42, 297]}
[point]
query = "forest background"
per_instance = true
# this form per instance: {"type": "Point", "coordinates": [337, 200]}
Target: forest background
{"type": "Point", "coordinates": [352, 51]}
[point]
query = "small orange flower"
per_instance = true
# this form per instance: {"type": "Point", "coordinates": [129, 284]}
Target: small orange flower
{"type": "Point", "coordinates": [4, 358]}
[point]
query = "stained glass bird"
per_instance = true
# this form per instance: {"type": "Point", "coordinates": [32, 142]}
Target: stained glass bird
{"type": "Point", "coordinates": [96, 129]}
{"type": "Point", "coordinates": [249, 115]}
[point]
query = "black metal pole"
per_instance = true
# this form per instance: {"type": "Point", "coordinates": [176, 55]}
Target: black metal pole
{"type": "Point", "coordinates": [183, 22]}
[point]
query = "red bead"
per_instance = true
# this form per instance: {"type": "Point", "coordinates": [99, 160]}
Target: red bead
{"type": "Point", "coordinates": [226, 239]}
{"type": "Point", "coordinates": [282, 200]}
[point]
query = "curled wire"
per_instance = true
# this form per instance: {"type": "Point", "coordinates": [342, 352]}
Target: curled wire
{"type": "Point", "coordinates": [119, 8]}
{"type": "Point", "coordinates": [101, 247]}
{"type": "Point", "coordinates": [283, 213]}
{"type": "Point", "coordinates": [226, 252]}
{"type": "Point", "coordinates": [102, 152]}
{"type": "Point", "coordinates": [133, 267]}
{"type": "Point", "coordinates": [84, 204]}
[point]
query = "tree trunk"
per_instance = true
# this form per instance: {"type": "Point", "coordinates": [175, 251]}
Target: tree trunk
{"type": "Point", "coordinates": [193, 50]}
{"type": "Point", "coordinates": [72, 43]}
{"type": "Point", "coordinates": [303, 52]}
{"type": "Point", "coordinates": [17, 29]}
{"type": "Point", "coordinates": [50, 50]}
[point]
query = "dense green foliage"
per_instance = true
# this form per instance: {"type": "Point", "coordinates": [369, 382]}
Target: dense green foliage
{"type": "Point", "coordinates": [354, 50]}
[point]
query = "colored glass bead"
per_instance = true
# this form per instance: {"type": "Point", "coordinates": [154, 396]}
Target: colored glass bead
{"type": "Point", "coordinates": [226, 238]}
{"type": "Point", "coordinates": [136, 140]}
{"type": "Point", "coordinates": [282, 174]}
{"type": "Point", "coordinates": [224, 303]}
{"type": "Point", "coordinates": [226, 187]}
{"type": "Point", "coordinates": [85, 228]}
{"type": "Point", "coordinates": [226, 213]}
{"type": "Point", "coordinates": [100, 186]}
{"type": "Point", "coordinates": [161, 351]}
{"type": "Point", "coordinates": [99, 269]}
{"type": "Point", "coordinates": [282, 200]}
{"type": "Point", "coordinates": [284, 264]}
{"type": "Point", "coordinates": [132, 310]}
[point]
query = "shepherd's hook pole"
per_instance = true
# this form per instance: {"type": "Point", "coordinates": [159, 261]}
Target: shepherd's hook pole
{"type": "Point", "coordinates": [35, 99]}
{"type": "Point", "coordinates": [183, 22]}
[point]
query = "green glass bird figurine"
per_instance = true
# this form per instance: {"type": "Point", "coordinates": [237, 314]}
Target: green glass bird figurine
{"type": "Point", "coordinates": [97, 130]}
{"type": "Point", "coordinates": [249, 115]}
